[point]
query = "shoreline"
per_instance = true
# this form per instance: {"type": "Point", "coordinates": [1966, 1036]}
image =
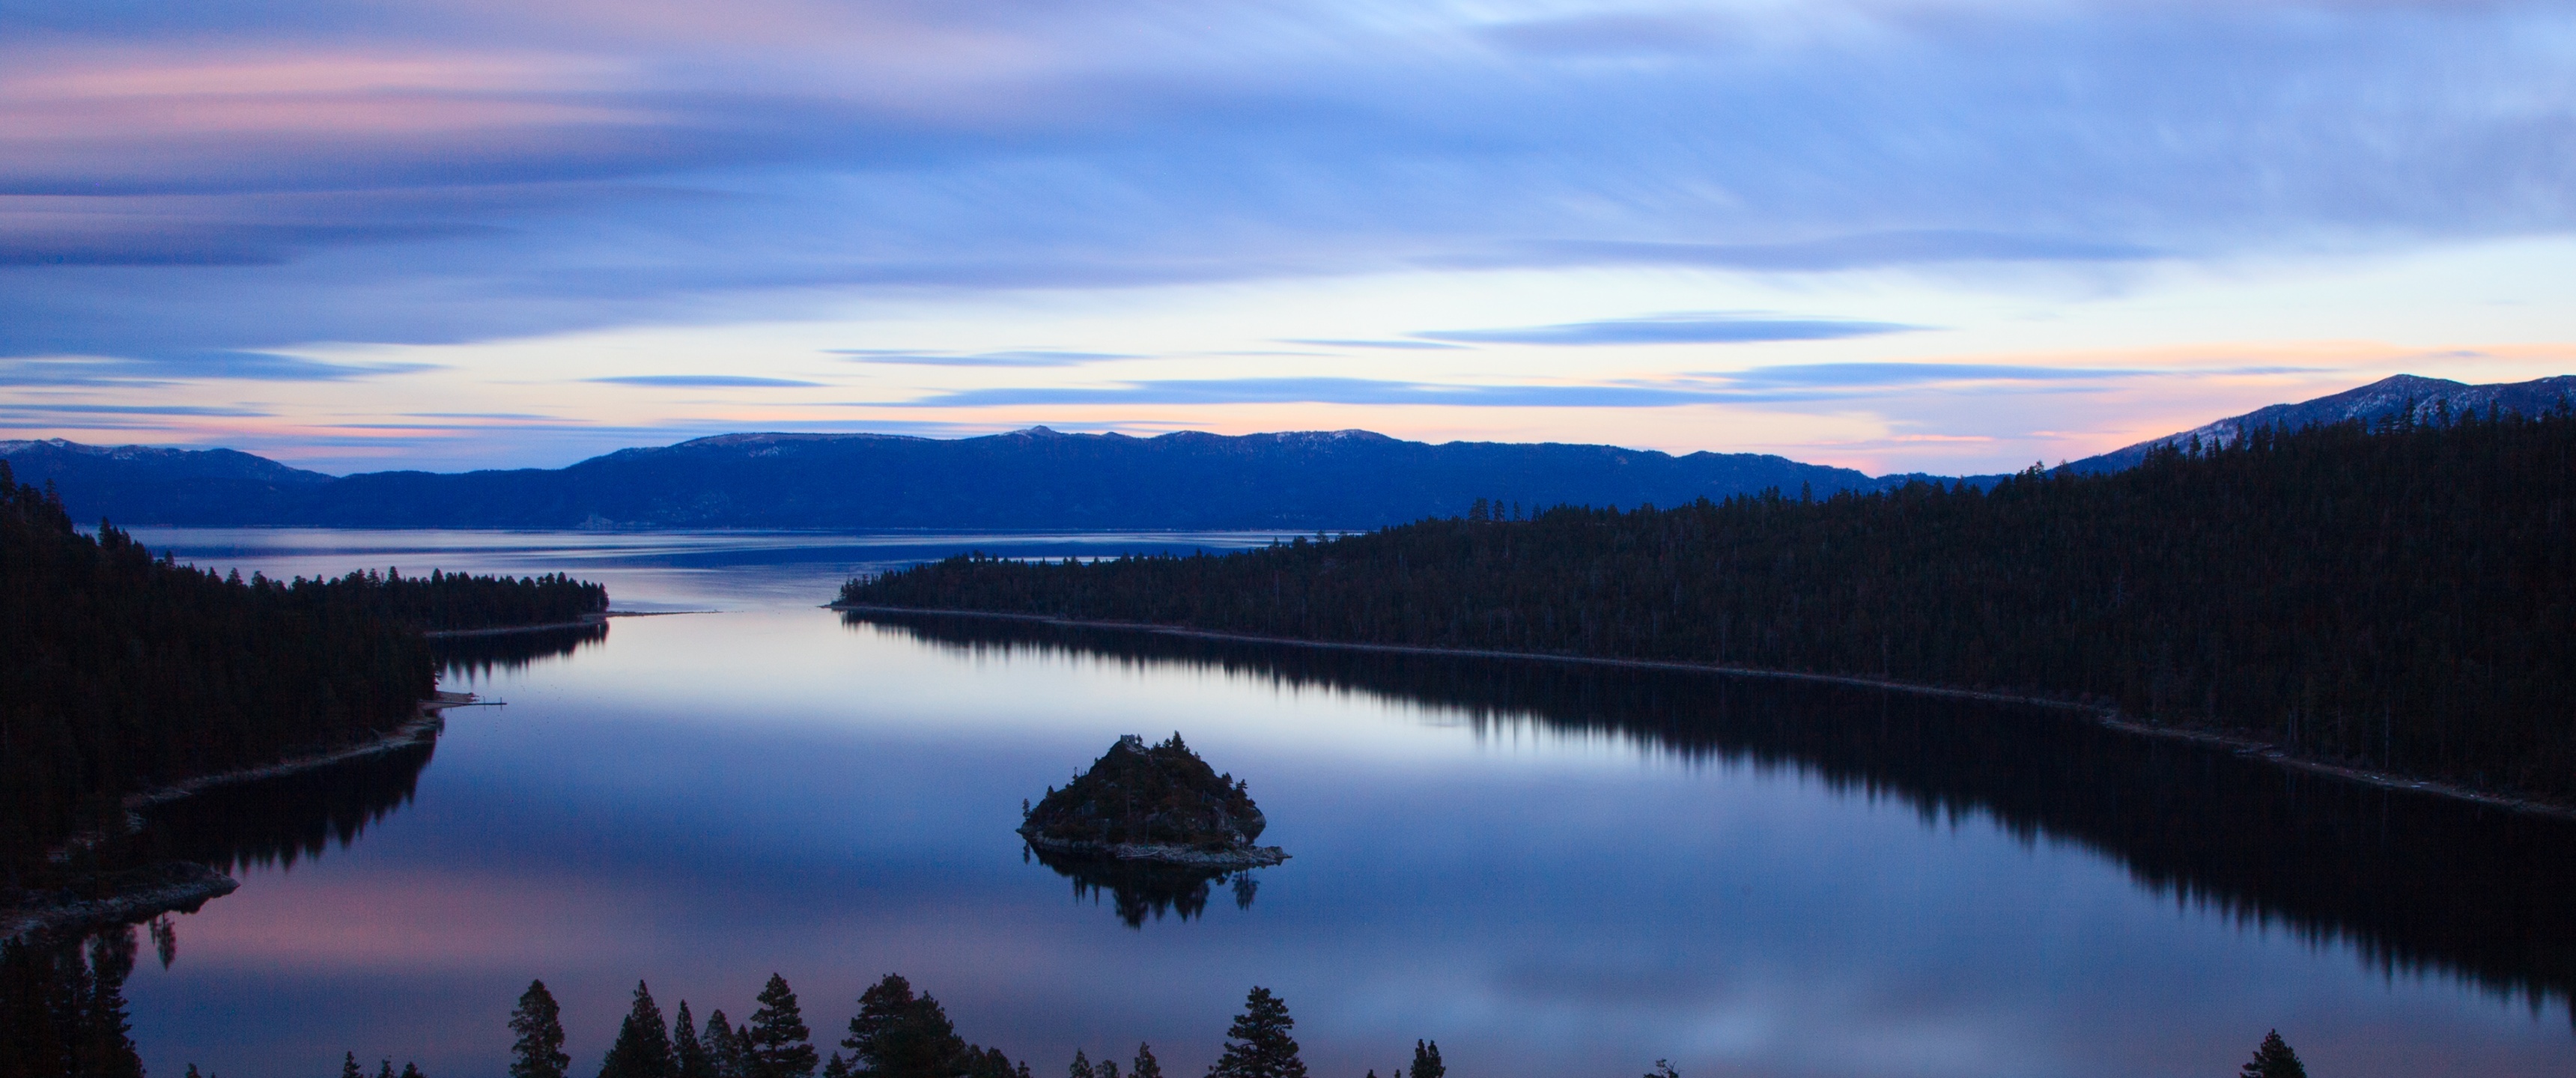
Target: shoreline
{"type": "Point", "coordinates": [587, 621]}
{"type": "Point", "coordinates": [1160, 853]}
{"type": "Point", "coordinates": [2105, 716]}
{"type": "Point", "coordinates": [186, 885]}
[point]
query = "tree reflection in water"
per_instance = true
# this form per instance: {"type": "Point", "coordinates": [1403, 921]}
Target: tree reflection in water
{"type": "Point", "coordinates": [471, 659]}
{"type": "Point", "coordinates": [62, 1005]}
{"type": "Point", "coordinates": [2413, 881]}
{"type": "Point", "coordinates": [1138, 888]}
{"type": "Point", "coordinates": [277, 821]}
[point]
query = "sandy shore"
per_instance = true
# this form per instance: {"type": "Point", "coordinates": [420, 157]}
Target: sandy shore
{"type": "Point", "coordinates": [2109, 717]}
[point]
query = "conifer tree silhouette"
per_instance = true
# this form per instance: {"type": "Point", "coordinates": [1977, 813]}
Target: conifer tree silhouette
{"type": "Point", "coordinates": [2273, 1059]}
{"type": "Point", "coordinates": [1145, 1065]}
{"type": "Point", "coordinates": [643, 1045]}
{"type": "Point", "coordinates": [1258, 1044]}
{"type": "Point", "coordinates": [724, 1047]}
{"type": "Point", "coordinates": [538, 1052]}
{"type": "Point", "coordinates": [688, 1053]}
{"type": "Point", "coordinates": [780, 1045]}
{"type": "Point", "coordinates": [1426, 1061]}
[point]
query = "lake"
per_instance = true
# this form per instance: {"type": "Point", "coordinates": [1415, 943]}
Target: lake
{"type": "Point", "coordinates": [1549, 869]}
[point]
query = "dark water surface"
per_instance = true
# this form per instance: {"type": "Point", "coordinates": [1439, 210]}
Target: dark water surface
{"type": "Point", "coordinates": [1550, 869]}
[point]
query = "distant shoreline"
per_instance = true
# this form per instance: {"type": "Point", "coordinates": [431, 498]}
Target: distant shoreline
{"type": "Point", "coordinates": [587, 621]}
{"type": "Point", "coordinates": [2105, 716]}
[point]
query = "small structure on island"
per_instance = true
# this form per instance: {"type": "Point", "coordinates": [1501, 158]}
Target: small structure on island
{"type": "Point", "coordinates": [1157, 803]}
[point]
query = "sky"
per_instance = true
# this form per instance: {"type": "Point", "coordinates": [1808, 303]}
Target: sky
{"type": "Point", "coordinates": [1952, 236]}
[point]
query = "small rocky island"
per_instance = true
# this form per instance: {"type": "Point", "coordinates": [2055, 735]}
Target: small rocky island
{"type": "Point", "coordinates": [1157, 803]}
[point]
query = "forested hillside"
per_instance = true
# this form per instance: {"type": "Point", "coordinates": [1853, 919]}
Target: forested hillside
{"type": "Point", "coordinates": [2397, 596]}
{"type": "Point", "coordinates": [1034, 479]}
{"type": "Point", "coordinates": [124, 673]}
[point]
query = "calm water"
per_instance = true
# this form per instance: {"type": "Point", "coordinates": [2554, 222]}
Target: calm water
{"type": "Point", "coordinates": [1550, 870]}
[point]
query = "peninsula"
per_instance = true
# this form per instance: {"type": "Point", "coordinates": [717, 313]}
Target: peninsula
{"type": "Point", "coordinates": [1158, 803]}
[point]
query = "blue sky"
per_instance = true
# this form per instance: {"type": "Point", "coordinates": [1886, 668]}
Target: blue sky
{"type": "Point", "coordinates": [1945, 236]}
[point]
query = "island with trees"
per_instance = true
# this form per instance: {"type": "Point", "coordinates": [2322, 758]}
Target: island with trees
{"type": "Point", "coordinates": [1158, 803]}
{"type": "Point", "coordinates": [2386, 599]}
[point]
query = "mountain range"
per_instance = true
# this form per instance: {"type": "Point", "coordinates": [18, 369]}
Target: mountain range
{"type": "Point", "coordinates": [1035, 478]}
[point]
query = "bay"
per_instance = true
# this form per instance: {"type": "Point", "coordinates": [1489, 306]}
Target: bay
{"type": "Point", "coordinates": [1550, 869]}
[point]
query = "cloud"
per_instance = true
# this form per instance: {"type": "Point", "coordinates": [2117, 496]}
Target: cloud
{"type": "Point", "coordinates": [27, 410]}
{"type": "Point", "coordinates": [1885, 375]}
{"type": "Point", "coordinates": [1915, 247]}
{"type": "Point", "coordinates": [700, 381]}
{"type": "Point", "coordinates": [977, 359]}
{"type": "Point", "coordinates": [1706, 328]}
{"type": "Point", "coordinates": [1317, 391]}
{"type": "Point", "coordinates": [177, 178]}
{"type": "Point", "coordinates": [1396, 345]}
{"type": "Point", "coordinates": [1758, 385]}
{"type": "Point", "coordinates": [190, 364]}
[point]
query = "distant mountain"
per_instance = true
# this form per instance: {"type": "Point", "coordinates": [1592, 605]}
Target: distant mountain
{"type": "Point", "coordinates": [148, 484]}
{"type": "Point", "coordinates": [2378, 400]}
{"type": "Point", "coordinates": [1039, 478]}
{"type": "Point", "coordinates": [1030, 479]}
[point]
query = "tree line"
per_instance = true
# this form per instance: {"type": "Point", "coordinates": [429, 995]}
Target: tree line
{"type": "Point", "coordinates": [63, 1015]}
{"type": "Point", "coordinates": [2393, 596]}
{"type": "Point", "coordinates": [127, 672]}
{"type": "Point", "coordinates": [895, 1034]}
{"type": "Point", "coordinates": [445, 601]}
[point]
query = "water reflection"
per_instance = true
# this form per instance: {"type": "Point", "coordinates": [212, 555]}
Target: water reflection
{"type": "Point", "coordinates": [281, 820]}
{"type": "Point", "coordinates": [477, 658]}
{"type": "Point", "coordinates": [1139, 888]}
{"type": "Point", "coordinates": [62, 1004]}
{"type": "Point", "coordinates": [2414, 882]}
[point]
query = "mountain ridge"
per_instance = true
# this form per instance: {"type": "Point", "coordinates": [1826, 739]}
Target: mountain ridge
{"type": "Point", "coordinates": [1039, 478]}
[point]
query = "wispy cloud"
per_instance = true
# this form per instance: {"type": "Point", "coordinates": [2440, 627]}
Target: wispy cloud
{"type": "Point", "coordinates": [702, 381]}
{"type": "Point", "coordinates": [1402, 346]}
{"type": "Point", "coordinates": [40, 411]}
{"type": "Point", "coordinates": [1700, 328]}
{"type": "Point", "coordinates": [1759, 385]}
{"type": "Point", "coordinates": [1889, 375]}
{"type": "Point", "coordinates": [915, 358]}
{"type": "Point", "coordinates": [1910, 247]}
{"type": "Point", "coordinates": [190, 364]}
{"type": "Point", "coordinates": [1364, 391]}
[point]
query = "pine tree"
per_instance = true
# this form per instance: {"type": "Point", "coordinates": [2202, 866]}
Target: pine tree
{"type": "Point", "coordinates": [412, 1070]}
{"type": "Point", "coordinates": [643, 1045]}
{"type": "Point", "coordinates": [385, 1069]}
{"type": "Point", "coordinates": [1663, 1069]}
{"type": "Point", "coordinates": [836, 1067]}
{"type": "Point", "coordinates": [688, 1053]}
{"type": "Point", "coordinates": [1426, 1061]}
{"type": "Point", "coordinates": [349, 1067]}
{"type": "Point", "coordinates": [1081, 1067]}
{"type": "Point", "coordinates": [1258, 1045]}
{"type": "Point", "coordinates": [538, 1053]}
{"type": "Point", "coordinates": [780, 1044]}
{"type": "Point", "coordinates": [2274, 1059]}
{"type": "Point", "coordinates": [1145, 1066]}
{"type": "Point", "coordinates": [724, 1047]}
{"type": "Point", "coordinates": [898, 1035]}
